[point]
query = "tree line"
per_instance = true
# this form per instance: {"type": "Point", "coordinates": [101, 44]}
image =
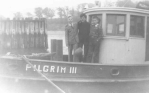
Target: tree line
{"type": "Point", "coordinates": [56, 18]}
{"type": "Point", "coordinates": [62, 12]}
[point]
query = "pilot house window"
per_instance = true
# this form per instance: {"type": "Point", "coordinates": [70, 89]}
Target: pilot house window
{"type": "Point", "coordinates": [116, 25]}
{"type": "Point", "coordinates": [136, 26]}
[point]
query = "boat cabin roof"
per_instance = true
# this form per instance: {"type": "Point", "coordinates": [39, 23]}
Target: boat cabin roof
{"type": "Point", "coordinates": [116, 9]}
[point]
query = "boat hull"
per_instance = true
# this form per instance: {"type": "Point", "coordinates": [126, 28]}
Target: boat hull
{"type": "Point", "coordinates": [16, 76]}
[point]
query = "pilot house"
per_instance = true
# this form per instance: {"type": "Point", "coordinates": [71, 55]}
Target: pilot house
{"type": "Point", "coordinates": [126, 38]}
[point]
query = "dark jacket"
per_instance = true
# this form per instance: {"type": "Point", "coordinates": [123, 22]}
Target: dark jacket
{"type": "Point", "coordinates": [83, 31]}
{"type": "Point", "coordinates": [95, 33]}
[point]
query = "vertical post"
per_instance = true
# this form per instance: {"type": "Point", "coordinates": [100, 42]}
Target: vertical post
{"type": "Point", "coordinates": [22, 36]}
{"type": "Point", "coordinates": [59, 50]}
{"type": "Point", "coordinates": [17, 35]}
{"type": "Point", "coordinates": [8, 34]}
{"type": "Point", "coordinates": [0, 35]}
{"type": "Point", "coordinates": [45, 33]}
{"type": "Point", "coordinates": [3, 33]}
{"type": "Point", "coordinates": [127, 26]}
{"type": "Point", "coordinates": [36, 41]}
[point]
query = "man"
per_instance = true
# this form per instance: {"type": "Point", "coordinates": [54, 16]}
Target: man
{"type": "Point", "coordinates": [95, 38]}
{"type": "Point", "coordinates": [71, 38]}
{"type": "Point", "coordinates": [83, 33]}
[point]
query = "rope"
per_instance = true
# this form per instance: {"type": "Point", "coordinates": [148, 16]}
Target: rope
{"type": "Point", "coordinates": [52, 83]}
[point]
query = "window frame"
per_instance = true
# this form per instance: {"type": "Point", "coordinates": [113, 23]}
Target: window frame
{"type": "Point", "coordinates": [116, 33]}
{"type": "Point", "coordinates": [144, 23]}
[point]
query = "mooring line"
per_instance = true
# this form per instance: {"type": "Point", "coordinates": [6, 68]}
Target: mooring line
{"type": "Point", "coordinates": [52, 83]}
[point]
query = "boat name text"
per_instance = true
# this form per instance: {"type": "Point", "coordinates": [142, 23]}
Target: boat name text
{"type": "Point", "coordinates": [52, 69]}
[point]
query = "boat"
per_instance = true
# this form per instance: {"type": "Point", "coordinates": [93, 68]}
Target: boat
{"type": "Point", "coordinates": [123, 65]}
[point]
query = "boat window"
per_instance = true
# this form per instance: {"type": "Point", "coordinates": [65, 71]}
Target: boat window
{"type": "Point", "coordinates": [116, 25]}
{"type": "Point", "coordinates": [136, 26]}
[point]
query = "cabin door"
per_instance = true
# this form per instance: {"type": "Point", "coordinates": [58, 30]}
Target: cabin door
{"type": "Point", "coordinates": [147, 41]}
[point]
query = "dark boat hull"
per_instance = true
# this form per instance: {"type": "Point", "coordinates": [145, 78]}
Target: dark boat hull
{"type": "Point", "coordinates": [17, 77]}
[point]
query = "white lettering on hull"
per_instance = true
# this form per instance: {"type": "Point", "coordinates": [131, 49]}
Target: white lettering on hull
{"type": "Point", "coordinates": [73, 70]}
{"type": "Point", "coordinates": [28, 66]}
{"type": "Point", "coordinates": [57, 69]}
{"type": "Point", "coordinates": [70, 70]}
{"type": "Point", "coordinates": [39, 68]}
{"type": "Point", "coordinates": [34, 67]}
{"type": "Point", "coordinates": [63, 69]}
{"type": "Point", "coordinates": [52, 69]}
{"type": "Point", "coordinates": [45, 68]}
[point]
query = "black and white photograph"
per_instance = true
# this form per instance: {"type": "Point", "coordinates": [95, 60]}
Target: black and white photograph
{"type": "Point", "coordinates": [74, 46]}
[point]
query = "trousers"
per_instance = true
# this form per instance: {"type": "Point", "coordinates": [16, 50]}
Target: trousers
{"type": "Point", "coordinates": [85, 44]}
{"type": "Point", "coordinates": [71, 48]}
{"type": "Point", "coordinates": [93, 52]}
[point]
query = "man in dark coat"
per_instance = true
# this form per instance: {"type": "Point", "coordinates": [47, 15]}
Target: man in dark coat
{"type": "Point", "coordinates": [83, 33]}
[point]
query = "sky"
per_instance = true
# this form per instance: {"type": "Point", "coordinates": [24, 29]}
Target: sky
{"type": "Point", "coordinates": [9, 7]}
